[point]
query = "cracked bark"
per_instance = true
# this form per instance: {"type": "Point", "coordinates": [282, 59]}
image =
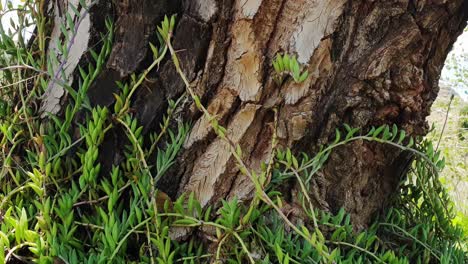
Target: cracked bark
{"type": "Point", "coordinates": [370, 63]}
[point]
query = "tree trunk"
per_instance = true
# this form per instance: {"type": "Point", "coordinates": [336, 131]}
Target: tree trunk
{"type": "Point", "coordinates": [370, 63]}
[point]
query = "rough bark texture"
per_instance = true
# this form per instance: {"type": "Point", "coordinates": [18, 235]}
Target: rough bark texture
{"type": "Point", "coordinates": [370, 63]}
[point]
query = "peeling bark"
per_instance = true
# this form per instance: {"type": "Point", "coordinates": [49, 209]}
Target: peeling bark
{"type": "Point", "coordinates": [63, 67]}
{"type": "Point", "coordinates": [370, 63]}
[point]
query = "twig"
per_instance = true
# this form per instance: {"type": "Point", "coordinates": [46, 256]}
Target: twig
{"type": "Point", "coordinates": [13, 249]}
{"type": "Point", "coordinates": [101, 198]}
{"type": "Point", "coordinates": [445, 122]}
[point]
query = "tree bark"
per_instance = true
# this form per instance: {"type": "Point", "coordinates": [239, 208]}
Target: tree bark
{"type": "Point", "coordinates": [370, 63]}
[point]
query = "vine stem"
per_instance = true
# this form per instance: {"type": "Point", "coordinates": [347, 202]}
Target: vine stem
{"type": "Point", "coordinates": [304, 191]}
{"type": "Point", "coordinates": [13, 249]}
{"type": "Point", "coordinates": [152, 188]}
{"type": "Point", "coordinates": [141, 79]}
{"type": "Point", "coordinates": [102, 198]}
{"type": "Point", "coordinates": [122, 241]}
{"type": "Point", "coordinates": [445, 122]}
{"type": "Point", "coordinates": [360, 249]}
{"type": "Point", "coordinates": [412, 237]}
{"type": "Point", "coordinates": [244, 247]}
{"type": "Point", "coordinates": [218, 250]}
{"type": "Point", "coordinates": [368, 138]}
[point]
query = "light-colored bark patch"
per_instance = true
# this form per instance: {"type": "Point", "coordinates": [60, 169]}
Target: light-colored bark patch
{"type": "Point", "coordinates": [319, 21]}
{"type": "Point", "coordinates": [55, 91]}
{"type": "Point", "coordinates": [206, 8]}
{"type": "Point", "coordinates": [218, 108]}
{"type": "Point", "coordinates": [244, 63]}
{"type": "Point", "coordinates": [320, 66]}
{"type": "Point", "coordinates": [258, 144]}
{"type": "Point", "coordinates": [299, 125]}
{"type": "Point", "coordinates": [248, 68]}
{"type": "Point", "coordinates": [249, 8]}
{"type": "Point", "coordinates": [210, 167]}
{"type": "Point", "coordinates": [295, 91]}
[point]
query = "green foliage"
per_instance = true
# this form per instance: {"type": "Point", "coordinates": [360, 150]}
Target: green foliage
{"type": "Point", "coordinates": [451, 140]}
{"type": "Point", "coordinates": [288, 65]}
{"type": "Point", "coordinates": [463, 123]}
{"type": "Point", "coordinates": [59, 206]}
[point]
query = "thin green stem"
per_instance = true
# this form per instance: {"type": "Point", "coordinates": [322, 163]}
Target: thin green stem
{"type": "Point", "coordinates": [358, 248]}
{"type": "Point", "coordinates": [122, 241]}
{"type": "Point", "coordinates": [412, 237]}
{"type": "Point", "coordinates": [244, 247]}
